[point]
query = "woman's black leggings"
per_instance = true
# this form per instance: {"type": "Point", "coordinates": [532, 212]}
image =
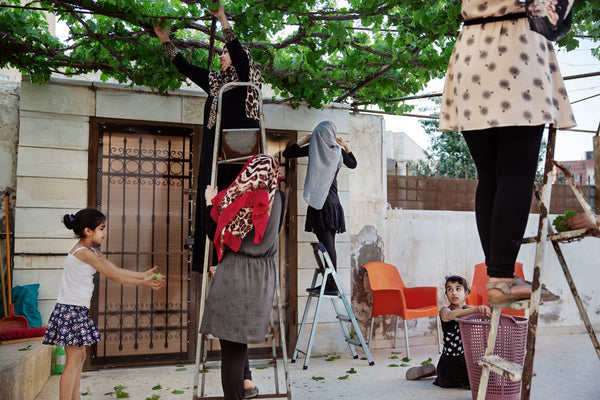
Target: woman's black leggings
{"type": "Point", "coordinates": [327, 238]}
{"type": "Point", "coordinates": [234, 369]}
{"type": "Point", "coordinates": [506, 159]}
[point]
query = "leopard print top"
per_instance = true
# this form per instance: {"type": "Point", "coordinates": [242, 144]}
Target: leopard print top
{"type": "Point", "coordinates": [216, 80]}
{"type": "Point", "coordinates": [261, 173]}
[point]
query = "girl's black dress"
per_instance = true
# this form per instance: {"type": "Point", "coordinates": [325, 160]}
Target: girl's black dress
{"type": "Point", "coordinates": [452, 368]}
{"type": "Point", "coordinates": [331, 215]}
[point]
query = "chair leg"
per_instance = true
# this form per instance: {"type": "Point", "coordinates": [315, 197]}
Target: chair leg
{"type": "Point", "coordinates": [371, 333]}
{"type": "Point", "coordinates": [439, 339]}
{"type": "Point", "coordinates": [395, 330]}
{"type": "Point", "coordinates": [406, 338]}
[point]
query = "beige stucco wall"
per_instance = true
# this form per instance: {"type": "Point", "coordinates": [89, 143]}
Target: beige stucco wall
{"type": "Point", "coordinates": [9, 130]}
{"type": "Point", "coordinates": [426, 246]}
{"type": "Point", "coordinates": [51, 179]}
{"type": "Point", "coordinates": [51, 174]}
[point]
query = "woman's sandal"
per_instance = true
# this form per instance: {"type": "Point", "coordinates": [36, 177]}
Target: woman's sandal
{"type": "Point", "coordinates": [420, 372]}
{"type": "Point", "coordinates": [508, 297]}
{"type": "Point", "coordinates": [546, 295]}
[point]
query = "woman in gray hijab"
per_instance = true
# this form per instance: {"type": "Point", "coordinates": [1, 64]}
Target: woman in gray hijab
{"type": "Point", "coordinates": [325, 215]}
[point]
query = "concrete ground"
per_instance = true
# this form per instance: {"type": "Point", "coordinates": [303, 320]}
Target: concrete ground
{"type": "Point", "coordinates": [566, 367]}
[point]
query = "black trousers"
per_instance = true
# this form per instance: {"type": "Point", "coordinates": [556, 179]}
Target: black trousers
{"type": "Point", "coordinates": [234, 369]}
{"type": "Point", "coordinates": [327, 238]}
{"type": "Point", "coordinates": [506, 159]}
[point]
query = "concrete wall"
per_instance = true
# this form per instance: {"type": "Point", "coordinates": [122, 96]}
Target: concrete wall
{"type": "Point", "coordinates": [52, 166]}
{"type": "Point", "coordinates": [426, 246]}
{"type": "Point", "coordinates": [51, 179]}
{"type": "Point", "coordinates": [9, 133]}
{"type": "Point", "coordinates": [52, 169]}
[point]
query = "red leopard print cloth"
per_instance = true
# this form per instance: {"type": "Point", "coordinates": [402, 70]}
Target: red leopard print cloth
{"type": "Point", "coordinates": [246, 203]}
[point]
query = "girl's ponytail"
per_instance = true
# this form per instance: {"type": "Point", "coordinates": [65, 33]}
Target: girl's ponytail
{"type": "Point", "coordinates": [68, 220]}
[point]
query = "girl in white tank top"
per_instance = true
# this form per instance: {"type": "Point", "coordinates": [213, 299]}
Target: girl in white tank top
{"type": "Point", "coordinates": [70, 324]}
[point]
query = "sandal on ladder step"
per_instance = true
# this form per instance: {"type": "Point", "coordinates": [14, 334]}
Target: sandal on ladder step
{"type": "Point", "coordinates": [508, 297]}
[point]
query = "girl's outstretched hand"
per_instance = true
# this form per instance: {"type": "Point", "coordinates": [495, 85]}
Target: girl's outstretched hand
{"type": "Point", "coordinates": [152, 279]}
{"type": "Point", "coordinates": [150, 272]}
{"type": "Point", "coordinates": [153, 282]}
{"type": "Point", "coordinates": [483, 310]}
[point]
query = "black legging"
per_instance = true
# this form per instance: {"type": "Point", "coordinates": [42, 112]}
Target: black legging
{"type": "Point", "coordinates": [327, 238]}
{"type": "Point", "coordinates": [506, 159]}
{"type": "Point", "coordinates": [234, 369]}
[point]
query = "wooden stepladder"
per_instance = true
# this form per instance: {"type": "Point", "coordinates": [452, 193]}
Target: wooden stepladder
{"type": "Point", "coordinates": [243, 141]}
{"type": "Point", "coordinates": [325, 268]}
{"type": "Point", "coordinates": [515, 372]}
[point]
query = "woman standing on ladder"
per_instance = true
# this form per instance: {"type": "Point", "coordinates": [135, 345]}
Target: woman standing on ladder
{"type": "Point", "coordinates": [325, 215]}
{"type": "Point", "coordinates": [240, 110]}
{"type": "Point", "coordinates": [244, 220]}
{"type": "Point", "coordinates": [502, 86]}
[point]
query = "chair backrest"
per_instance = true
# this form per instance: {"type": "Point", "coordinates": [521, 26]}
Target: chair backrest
{"type": "Point", "coordinates": [388, 289]}
{"type": "Point", "coordinates": [479, 293]}
{"type": "Point", "coordinates": [383, 276]}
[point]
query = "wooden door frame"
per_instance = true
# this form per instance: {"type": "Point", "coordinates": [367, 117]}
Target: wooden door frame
{"type": "Point", "coordinates": [94, 166]}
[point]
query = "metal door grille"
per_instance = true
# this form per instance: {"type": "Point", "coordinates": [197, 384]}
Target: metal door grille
{"type": "Point", "coordinates": [144, 179]}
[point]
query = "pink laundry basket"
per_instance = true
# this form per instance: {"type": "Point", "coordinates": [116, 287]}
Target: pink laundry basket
{"type": "Point", "coordinates": [510, 345]}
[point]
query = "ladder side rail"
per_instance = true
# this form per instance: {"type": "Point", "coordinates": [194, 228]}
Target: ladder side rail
{"type": "Point", "coordinates": [304, 317]}
{"type": "Point", "coordinates": [348, 308]}
{"type": "Point", "coordinates": [562, 261]}
{"type": "Point", "coordinates": [540, 251]}
{"type": "Point", "coordinates": [274, 350]}
{"type": "Point", "coordinates": [345, 330]}
{"type": "Point", "coordinates": [213, 179]}
{"type": "Point", "coordinates": [587, 209]}
{"type": "Point", "coordinates": [313, 329]}
{"type": "Point", "coordinates": [320, 263]}
{"type": "Point", "coordinates": [282, 329]}
{"type": "Point", "coordinates": [580, 306]}
{"type": "Point", "coordinates": [489, 350]}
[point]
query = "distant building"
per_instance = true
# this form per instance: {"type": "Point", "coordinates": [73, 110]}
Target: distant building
{"type": "Point", "coordinates": [581, 170]}
{"type": "Point", "coordinates": [400, 149]}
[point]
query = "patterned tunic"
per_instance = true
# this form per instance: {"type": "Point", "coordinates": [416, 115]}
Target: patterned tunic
{"type": "Point", "coordinates": [240, 299]}
{"type": "Point", "coordinates": [502, 74]}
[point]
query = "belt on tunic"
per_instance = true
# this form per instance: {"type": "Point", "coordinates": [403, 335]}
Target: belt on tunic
{"type": "Point", "coordinates": [485, 20]}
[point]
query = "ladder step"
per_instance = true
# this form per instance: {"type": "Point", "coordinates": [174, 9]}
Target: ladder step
{"type": "Point", "coordinates": [353, 341]}
{"type": "Point", "coordinates": [234, 160]}
{"type": "Point", "coordinates": [566, 236]}
{"type": "Point", "coordinates": [254, 363]}
{"type": "Point", "coordinates": [343, 317]}
{"type": "Point", "coordinates": [515, 305]}
{"type": "Point", "coordinates": [499, 365]}
{"type": "Point", "coordinates": [312, 294]}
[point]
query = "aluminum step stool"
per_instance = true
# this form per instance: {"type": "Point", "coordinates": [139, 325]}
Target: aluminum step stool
{"type": "Point", "coordinates": [325, 268]}
{"type": "Point", "coordinates": [201, 340]}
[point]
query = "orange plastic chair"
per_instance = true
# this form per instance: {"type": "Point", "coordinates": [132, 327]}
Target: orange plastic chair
{"type": "Point", "coordinates": [392, 297]}
{"type": "Point", "coordinates": [479, 294]}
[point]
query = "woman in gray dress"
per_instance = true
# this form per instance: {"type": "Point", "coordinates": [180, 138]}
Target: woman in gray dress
{"type": "Point", "coordinates": [244, 221]}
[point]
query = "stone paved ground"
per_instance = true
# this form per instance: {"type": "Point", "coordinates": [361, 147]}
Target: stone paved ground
{"type": "Point", "coordinates": [567, 367]}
